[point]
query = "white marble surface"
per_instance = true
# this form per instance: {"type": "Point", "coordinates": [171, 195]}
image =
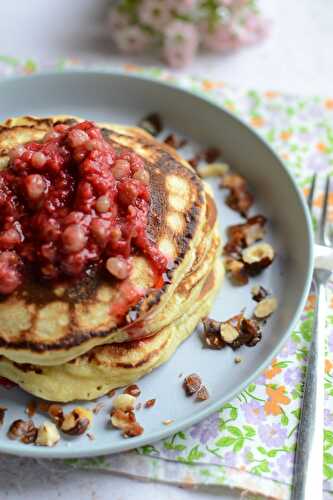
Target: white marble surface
{"type": "Point", "coordinates": [297, 57]}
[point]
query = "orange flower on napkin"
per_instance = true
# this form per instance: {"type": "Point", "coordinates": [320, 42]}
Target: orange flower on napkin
{"type": "Point", "coordinates": [276, 397]}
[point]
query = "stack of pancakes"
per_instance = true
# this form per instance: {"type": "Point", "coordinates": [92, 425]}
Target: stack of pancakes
{"type": "Point", "coordinates": [64, 341]}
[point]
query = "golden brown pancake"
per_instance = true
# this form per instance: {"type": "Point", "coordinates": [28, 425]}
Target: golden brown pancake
{"type": "Point", "coordinates": [111, 366]}
{"type": "Point", "coordinates": [50, 325]}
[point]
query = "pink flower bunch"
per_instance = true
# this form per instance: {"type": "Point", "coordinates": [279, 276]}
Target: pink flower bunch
{"type": "Point", "coordinates": [181, 27]}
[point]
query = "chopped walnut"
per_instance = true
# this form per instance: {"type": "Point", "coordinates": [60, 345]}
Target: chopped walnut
{"type": "Point", "coordinates": [56, 412]}
{"type": "Point", "coordinates": [133, 390]}
{"type": "Point", "coordinates": [258, 293]}
{"type": "Point", "coordinates": [243, 235]}
{"type": "Point", "coordinates": [31, 408]}
{"type": "Point", "coordinates": [237, 360]}
{"type": "Point", "coordinates": [91, 436]}
{"type": "Point", "coordinates": [167, 421]}
{"type": "Point", "coordinates": [152, 124]}
{"type": "Point", "coordinates": [47, 435]}
{"type": "Point", "coordinates": [150, 403]}
{"type": "Point", "coordinates": [212, 169]}
{"type": "Point", "coordinates": [174, 141]}
{"type": "Point", "coordinates": [124, 402]}
{"type": "Point", "coordinates": [236, 271]}
{"type": "Point", "coordinates": [2, 414]}
{"type": "Point", "coordinates": [265, 308]}
{"type": "Point", "coordinates": [257, 257]}
{"type": "Point", "coordinates": [192, 384]}
{"type": "Point", "coordinates": [235, 332]}
{"type": "Point", "coordinates": [208, 155]}
{"type": "Point", "coordinates": [111, 393]}
{"type": "Point", "coordinates": [44, 406]}
{"type": "Point", "coordinates": [126, 421]}
{"type": "Point", "coordinates": [239, 198]}
{"type": "Point", "coordinates": [202, 394]}
{"type": "Point", "coordinates": [77, 421]}
{"type": "Point", "coordinates": [25, 431]}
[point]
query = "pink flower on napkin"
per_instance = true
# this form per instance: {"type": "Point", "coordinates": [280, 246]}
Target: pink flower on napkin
{"type": "Point", "coordinates": [131, 40]}
{"type": "Point", "coordinates": [180, 43]}
{"type": "Point", "coordinates": [154, 13]}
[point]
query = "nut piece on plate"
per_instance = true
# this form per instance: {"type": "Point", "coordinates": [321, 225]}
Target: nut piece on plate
{"type": "Point", "coordinates": [77, 421]}
{"type": "Point", "coordinates": [257, 257]}
{"type": "Point", "coordinates": [236, 271]}
{"type": "Point", "coordinates": [2, 414]}
{"type": "Point", "coordinates": [239, 198]}
{"type": "Point", "coordinates": [243, 235]}
{"type": "Point", "coordinates": [202, 394]}
{"type": "Point", "coordinates": [123, 415]}
{"type": "Point", "coordinates": [152, 124]}
{"type": "Point", "coordinates": [124, 402]}
{"type": "Point", "coordinates": [133, 390]}
{"type": "Point", "coordinates": [212, 170]}
{"type": "Point", "coordinates": [48, 435]}
{"type": "Point", "coordinates": [56, 412]}
{"type": "Point", "coordinates": [23, 430]}
{"type": "Point", "coordinates": [265, 308]}
{"type": "Point", "coordinates": [192, 384]}
{"type": "Point", "coordinates": [258, 293]}
{"type": "Point", "coordinates": [235, 332]}
{"type": "Point", "coordinates": [150, 403]}
{"type": "Point", "coordinates": [174, 141]}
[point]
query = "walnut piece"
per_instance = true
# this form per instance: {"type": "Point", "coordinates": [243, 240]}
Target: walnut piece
{"type": "Point", "coordinates": [23, 430]}
{"type": "Point", "coordinates": [124, 402]}
{"type": "Point", "coordinates": [235, 332]}
{"type": "Point", "coordinates": [192, 384]}
{"type": "Point", "coordinates": [47, 435]}
{"type": "Point", "coordinates": [77, 421]}
{"type": "Point", "coordinates": [126, 421]}
{"type": "Point", "coordinates": [150, 403]}
{"type": "Point", "coordinates": [152, 124]}
{"type": "Point", "coordinates": [239, 198]}
{"type": "Point", "coordinates": [243, 235]}
{"type": "Point", "coordinates": [212, 169]}
{"type": "Point", "coordinates": [174, 141]}
{"type": "Point", "coordinates": [265, 308]}
{"type": "Point", "coordinates": [236, 271]}
{"type": "Point", "coordinates": [202, 394]}
{"type": "Point", "coordinates": [258, 293]}
{"type": "Point", "coordinates": [133, 390]}
{"type": "Point", "coordinates": [257, 257]}
{"type": "Point", "coordinates": [2, 414]}
{"type": "Point", "coordinates": [56, 412]}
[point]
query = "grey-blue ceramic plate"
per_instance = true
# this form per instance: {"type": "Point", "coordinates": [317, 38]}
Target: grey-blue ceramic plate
{"type": "Point", "coordinates": [125, 99]}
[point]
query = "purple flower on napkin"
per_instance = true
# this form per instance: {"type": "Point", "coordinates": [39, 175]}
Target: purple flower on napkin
{"type": "Point", "coordinates": [288, 349]}
{"type": "Point", "coordinates": [330, 341]}
{"type": "Point", "coordinates": [293, 376]}
{"type": "Point", "coordinates": [207, 429]}
{"type": "Point", "coordinates": [285, 463]}
{"type": "Point", "coordinates": [272, 435]}
{"type": "Point", "coordinates": [328, 418]}
{"type": "Point", "coordinates": [230, 459]}
{"type": "Point", "coordinates": [253, 412]}
{"type": "Point", "coordinates": [317, 162]}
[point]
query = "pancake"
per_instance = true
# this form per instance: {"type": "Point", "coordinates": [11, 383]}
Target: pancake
{"type": "Point", "coordinates": [111, 366]}
{"type": "Point", "coordinates": [45, 324]}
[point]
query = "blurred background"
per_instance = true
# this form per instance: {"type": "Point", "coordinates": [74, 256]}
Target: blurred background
{"type": "Point", "coordinates": [295, 56]}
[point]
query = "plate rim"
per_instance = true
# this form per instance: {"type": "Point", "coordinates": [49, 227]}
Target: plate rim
{"type": "Point", "coordinates": [89, 451]}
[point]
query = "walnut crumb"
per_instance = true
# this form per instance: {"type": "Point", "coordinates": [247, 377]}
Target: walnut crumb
{"type": "Point", "coordinates": [111, 393]}
{"type": "Point", "coordinates": [133, 390]}
{"type": "Point", "coordinates": [192, 384]}
{"type": "Point", "coordinates": [2, 414]}
{"type": "Point", "coordinates": [91, 436]}
{"type": "Point", "coordinates": [237, 360]}
{"type": "Point", "coordinates": [150, 403]}
{"type": "Point", "coordinates": [167, 421]}
{"type": "Point", "coordinates": [202, 394]}
{"type": "Point", "coordinates": [31, 408]}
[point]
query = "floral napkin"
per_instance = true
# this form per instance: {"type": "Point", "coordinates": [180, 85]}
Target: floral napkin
{"type": "Point", "coordinates": [249, 443]}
